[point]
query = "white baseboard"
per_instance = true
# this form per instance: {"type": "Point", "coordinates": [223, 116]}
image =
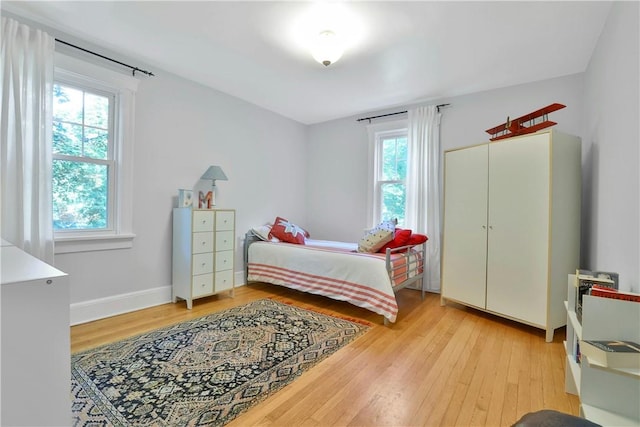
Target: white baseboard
{"type": "Point", "coordinates": [87, 311]}
{"type": "Point", "coordinates": [239, 277]}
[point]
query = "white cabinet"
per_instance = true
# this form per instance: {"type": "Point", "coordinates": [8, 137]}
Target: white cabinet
{"type": "Point", "coordinates": [608, 396]}
{"type": "Point", "coordinates": [512, 226]}
{"type": "Point", "coordinates": [36, 361]}
{"type": "Point", "coordinates": [203, 252]}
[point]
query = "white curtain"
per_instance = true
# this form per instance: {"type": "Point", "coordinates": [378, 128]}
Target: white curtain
{"type": "Point", "coordinates": [423, 201]}
{"type": "Point", "coordinates": [25, 125]}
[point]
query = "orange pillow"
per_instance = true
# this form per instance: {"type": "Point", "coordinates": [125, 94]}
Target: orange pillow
{"type": "Point", "coordinates": [401, 238]}
{"type": "Point", "coordinates": [287, 231]}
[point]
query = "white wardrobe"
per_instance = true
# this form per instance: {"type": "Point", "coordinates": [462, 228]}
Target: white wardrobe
{"type": "Point", "coordinates": [512, 226]}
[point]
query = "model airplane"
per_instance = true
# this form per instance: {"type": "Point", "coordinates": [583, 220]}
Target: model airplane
{"type": "Point", "coordinates": [525, 124]}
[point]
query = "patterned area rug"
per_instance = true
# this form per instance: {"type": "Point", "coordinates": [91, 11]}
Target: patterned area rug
{"type": "Point", "coordinates": [206, 371]}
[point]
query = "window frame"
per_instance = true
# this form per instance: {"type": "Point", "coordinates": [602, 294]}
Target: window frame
{"type": "Point", "coordinates": [93, 78]}
{"type": "Point", "coordinates": [110, 162]}
{"type": "Point", "coordinates": [378, 133]}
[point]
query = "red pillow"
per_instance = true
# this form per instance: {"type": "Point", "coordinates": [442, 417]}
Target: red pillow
{"type": "Point", "coordinates": [287, 231]}
{"type": "Point", "coordinates": [401, 238]}
{"type": "Point", "coordinates": [417, 239]}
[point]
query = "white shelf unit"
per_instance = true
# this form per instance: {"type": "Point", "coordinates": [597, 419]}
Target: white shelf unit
{"type": "Point", "coordinates": [608, 396]}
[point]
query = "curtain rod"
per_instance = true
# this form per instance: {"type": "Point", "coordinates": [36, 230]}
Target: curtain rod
{"type": "Point", "coordinates": [393, 114]}
{"type": "Point", "coordinates": [134, 69]}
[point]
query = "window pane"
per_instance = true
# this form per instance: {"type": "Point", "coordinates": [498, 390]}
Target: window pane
{"type": "Point", "coordinates": [96, 111]}
{"type": "Point", "coordinates": [394, 159]}
{"type": "Point", "coordinates": [67, 139]}
{"type": "Point", "coordinates": [79, 195]}
{"type": "Point", "coordinates": [96, 143]}
{"type": "Point", "coordinates": [393, 198]}
{"type": "Point", "coordinates": [67, 104]}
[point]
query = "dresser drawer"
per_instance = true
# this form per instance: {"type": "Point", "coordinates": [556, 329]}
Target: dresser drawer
{"type": "Point", "coordinates": [225, 220]}
{"type": "Point", "coordinates": [202, 242]}
{"type": "Point", "coordinates": [202, 285]}
{"type": "Point", "coordinates": [224, 280]}
{"type": "Point", "coordinates": [202, 263]}
{"type": "Point", "coordinates": [224, 241]}
{"type": "Point", "coordinates": [224, 260]}
{"type": "Point", "coordinates": [202, 221]}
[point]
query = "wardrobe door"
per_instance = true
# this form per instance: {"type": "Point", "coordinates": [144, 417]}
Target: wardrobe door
{"type": "Point", "coordinates": [465, 225]}
{"type": "Point", "coordinates": [518, 236]}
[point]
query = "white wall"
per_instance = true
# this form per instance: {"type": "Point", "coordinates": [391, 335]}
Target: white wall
{"type": "Point", "coordinates": [610, 149]}
{"type": "Point", "coordinates": [337, 168]}
{"type": "Point", "coordinates": [338, 150]}
{"type": "Point", "coordinates": [181, 129]}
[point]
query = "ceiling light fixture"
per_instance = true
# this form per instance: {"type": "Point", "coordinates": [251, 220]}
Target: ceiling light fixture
{"type": "Point", "coordinates": [327, 48]}
{"type": "Point", "coordinates": [327, 30]}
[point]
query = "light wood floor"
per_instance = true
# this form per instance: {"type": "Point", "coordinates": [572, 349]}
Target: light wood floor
{"type": "Point", "coordinates": [436, 366]}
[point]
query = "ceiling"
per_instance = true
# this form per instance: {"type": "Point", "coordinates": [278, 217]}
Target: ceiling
{"type": "Point", "coordinates": [403, 52]}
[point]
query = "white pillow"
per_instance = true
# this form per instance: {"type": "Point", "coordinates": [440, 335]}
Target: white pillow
{"type": "Point", "coordinates": [262, 232]}
{"type": "Point", "coordinates": [377, 237]}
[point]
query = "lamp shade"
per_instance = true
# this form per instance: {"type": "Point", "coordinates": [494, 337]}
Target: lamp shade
{"type": "Point", "coordinates": [214, 173]}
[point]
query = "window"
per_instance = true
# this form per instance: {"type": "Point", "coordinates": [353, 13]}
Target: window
{"type": "Point", "coordinates": [83, 164]}
{"type": "Point", "coordinates": [92, 130]}
{"type": "Point", "coordinates": [389, 169]}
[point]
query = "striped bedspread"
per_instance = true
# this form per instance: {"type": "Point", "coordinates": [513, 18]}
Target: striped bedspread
{"type": "Point", "coordinates": [335, 272]}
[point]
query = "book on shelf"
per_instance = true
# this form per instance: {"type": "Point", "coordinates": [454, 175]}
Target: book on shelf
{"type": "Point", "coordinates": [603, 291]}
{"type": "Point", "coordinates": [585, 280]}
{"type": "Point", "coordinates": [612, 354]}
{"type": "Point", "coordinates": [608, 276]}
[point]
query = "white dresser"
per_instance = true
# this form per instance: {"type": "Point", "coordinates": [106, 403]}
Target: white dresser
{"type": "Point", "coordinates": [36, 361]}
{"type": "Point", "coordinates": [203, 252]}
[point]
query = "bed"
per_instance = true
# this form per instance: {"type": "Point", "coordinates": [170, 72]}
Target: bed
{"type": "Point", "coordinates": [336, 270]}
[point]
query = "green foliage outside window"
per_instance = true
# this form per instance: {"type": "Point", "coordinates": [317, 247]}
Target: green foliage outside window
{"type": "Point", "coordinates": [393, 176]}
{"type": "Point", "coordinates": [80, 195]}
{"type": "Point", "coordinates": [80, 152]}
